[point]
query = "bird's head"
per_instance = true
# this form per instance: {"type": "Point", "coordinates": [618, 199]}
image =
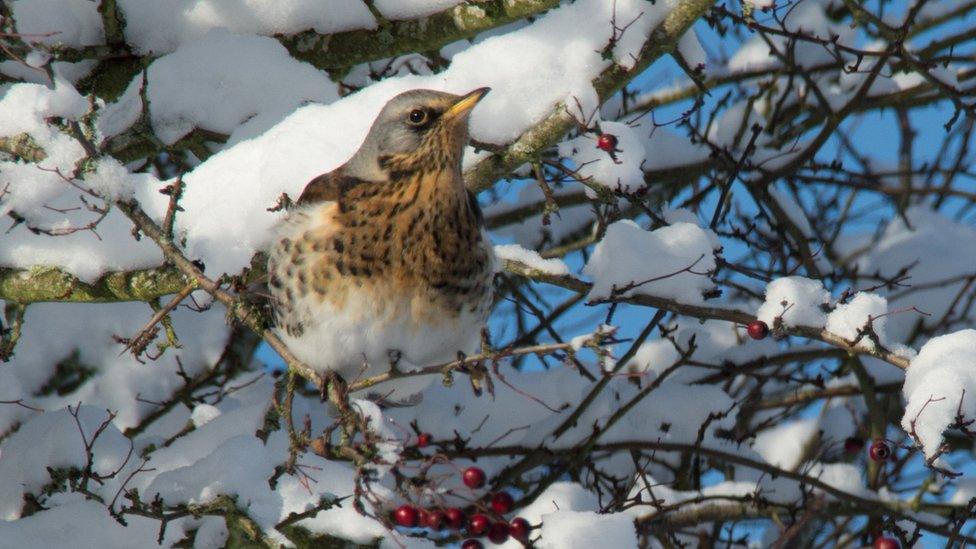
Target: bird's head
{"type": "Point", "coordinates": [416, 129]}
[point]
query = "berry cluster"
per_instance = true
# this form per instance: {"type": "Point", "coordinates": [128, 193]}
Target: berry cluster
{"type": "Point", "coordinates": [478, 524]}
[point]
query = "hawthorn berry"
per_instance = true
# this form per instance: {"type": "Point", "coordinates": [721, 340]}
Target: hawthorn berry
{"type": "Point", "coordinates": [473, 477]}
{"type": "Point", "coordinates": [434, 519]}
{"type": "Point", "coordinates": [455, 518]}
{"type": "Point", "coordinates": [606, 142]}
{"type": "Point", "coordinates": [423, 439]}
{"type": "Point", "coordinates": [757, 329]}
{"type": "Point", "coordinates": [884, 542]}
{"type": "Point", "coordinates": [407, 516]}
{"type": "Point", "coordinates": [853, 445]}
{"type": "Point", "coordinates": [479, 524]}
{"type": "Point", "coordinates": [472, 544]}
{"type": "Point", "coordinates": [502, 502]}
{"type": "Point", "coordinates": [498, 532]}
{"type": "Point", "coordinates": [519, 528]}
{"type": "Point", "coordinates": [880, 451]}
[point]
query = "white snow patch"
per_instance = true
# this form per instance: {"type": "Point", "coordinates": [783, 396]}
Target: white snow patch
{"type": "Point", "coordinates": [799, 301]}
{"type": "Point", "coordinates": [940, 385]}
{"type": "Point", "coordinates": [630, 255]}
{"type": "Point", "coordinates": [203, 414]}
{"type": "Point", "coordinates": [54, 440]}
{"type": "Point", "coordinates": [200, 84]}
{"type": "Point", "coordinates": [111, 180]}
{"type": "Point", "coordinates": [621, 171]}
{"type": "Point", "coordinates": [72, 23]}
{"type": "Point", "coordinates": [531, 258]}
{"type": "Point", "coordinates": [161, 26]}
{"type": "Point", "coordinates": [587, 529]}
{"type": "Point", "coordinates": [784, 445]}
{"type": "Point", "coordinates": [848, 319]}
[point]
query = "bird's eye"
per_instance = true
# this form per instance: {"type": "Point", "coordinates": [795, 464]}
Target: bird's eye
{"type": "Point", "coordinates": [417, 117]}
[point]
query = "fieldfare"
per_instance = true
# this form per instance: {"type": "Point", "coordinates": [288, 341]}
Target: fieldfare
{"type": "Point", "coordinates": [387, 255]}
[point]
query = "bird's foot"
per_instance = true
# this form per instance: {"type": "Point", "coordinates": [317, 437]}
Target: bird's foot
{"type": "Point", "coordinates": [335, 390]}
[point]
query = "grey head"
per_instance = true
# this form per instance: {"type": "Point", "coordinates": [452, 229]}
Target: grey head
{"type": "Point", "coordinates": [412, 122]}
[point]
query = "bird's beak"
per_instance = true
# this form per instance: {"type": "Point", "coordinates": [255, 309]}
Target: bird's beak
{"type": "Point", "coordinates": [466, 103]}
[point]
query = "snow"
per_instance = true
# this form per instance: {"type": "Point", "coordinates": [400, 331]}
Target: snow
{"type": "Point", "coordinates": [72, 23]}
{"type": "Point", "coordinates": [212, 533]}
{"type": "Point", "coordinates": [796, 301]}
{"type": "Point", "coordinates": [846, 477]}
{"type": "Point", "coordinates": [24, 107]}
{"type": "Point", "coordinates": [787, 444]}
{"type": "Point", "coordinates": [940, 388]}
{"type": "Point", "coordinates": [692, 51]}
{"type": "Point", "coordinates": [198, 85]}
{"type": "Point", "coordinates": [865, 310]}
{"type": "Point", "coordinates": [55, 441]}
{"type": "Point", "coordinates": [225, 219]}
{"type": "Point", "coordinates": [111, 180]}
{"type": "Point", "coordinates": [86, 334]}
{"type": "Point", "coordinates": [715, 343]}
{"type": "Point", "coordinates": [630, 255]}
{"type": "Point", "coordinates": [530, 232]}
{"type": "Point", "coordinates": [203, 414]}
{"type": "Point", "coordinates": [531, 258]}
{"type": "Point", "coordinates": [808, 18]}
{"type": "Point", "coordinates": [584, 529]}
{"type": "Point", "coordinates": [621, 171]}
{"type": "Point", "coordinates": [660, 493]}
{"type": "Point", "coordinates": [936, 252]}
{"type": "Point", "coordinates": [161, 26]}
{"type": "Point", "coordinates": [560, 496]}
{"type": "Point", "coordinates": [202, 480]}
{"type": "Point", "coordinates": [965, 491]}
{"type": "Point", "coordinates": [410, 9]}
{"type": "Point", "coordinates": [80, 523]}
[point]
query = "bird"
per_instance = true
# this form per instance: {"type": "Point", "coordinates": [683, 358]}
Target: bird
{"type": "Point", "coordinates": [385, 262]}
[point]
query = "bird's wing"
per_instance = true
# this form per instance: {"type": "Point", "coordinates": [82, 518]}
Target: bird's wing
{"type": "Point", "coordinates": [328, 187]}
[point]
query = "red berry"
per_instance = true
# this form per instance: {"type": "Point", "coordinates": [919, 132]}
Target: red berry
{"type": "Point", "coordinates": [502, 502]}
{"type": "Point", "coordinates": [423, 439]}
{"type": "Point", "coordinates": [455, 518]}
{"type": "Point", "coordinates": [472, 544]}
{"type": "Point", "coordinates": [434, 519]}
{"type": "Point", "coordinates": [473, 477]}
{"type": "Point", "coordinates": [853, 445]}
{"type": "Point", "coordinates": [498, 532]}
{"type": "Point", "coordinates": [757, 329]}
{"type": "Point", "coordinates": [606, 142]}
{"type": "Point", "coordinates": [519, 528]}
{"type": "Point", "coordinates": [407, 515]}
{"type": "Point", "coordinates": [479, 524]}
{"type": "Point", "coordinates": [880, 451]}
{"type": "Point", "coordinates": [885, 542]}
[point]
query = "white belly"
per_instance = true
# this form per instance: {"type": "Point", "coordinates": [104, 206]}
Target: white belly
{"type": "Point", "coordinates": [358, 339]}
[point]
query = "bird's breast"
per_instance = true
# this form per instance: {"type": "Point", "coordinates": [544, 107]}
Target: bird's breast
{"type": "Point", "coordinates": [410, 251]}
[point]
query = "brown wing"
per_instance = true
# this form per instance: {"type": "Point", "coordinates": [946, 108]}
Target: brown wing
{"type": "Point", "coordinates": [328, 187]}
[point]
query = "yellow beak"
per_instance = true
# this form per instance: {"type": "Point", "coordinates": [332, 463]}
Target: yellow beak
{"type": "Point", "coordinates": [466, 103]}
